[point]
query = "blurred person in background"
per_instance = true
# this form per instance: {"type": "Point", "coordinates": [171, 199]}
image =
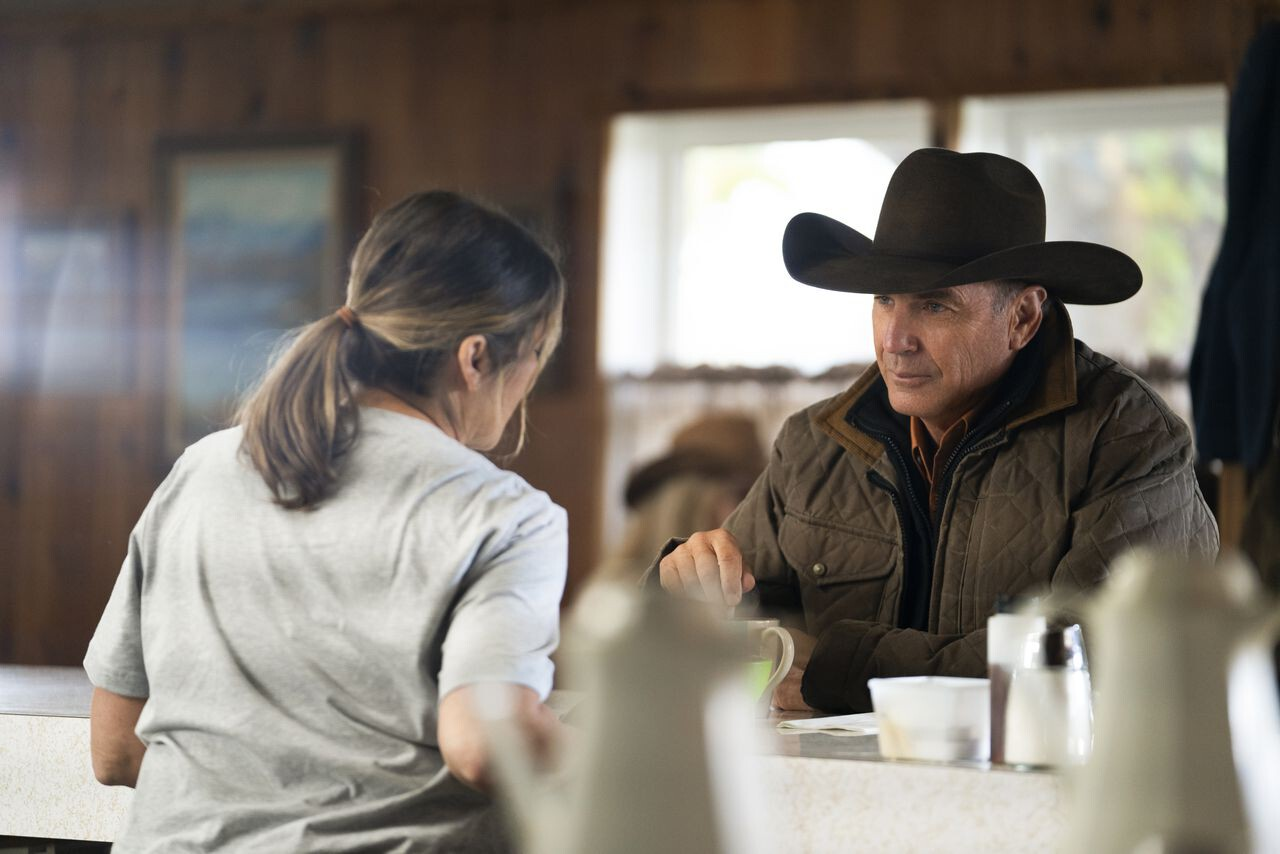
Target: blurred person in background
{"type": "Point", "coordinates": [694, 486]}
{"type": "Point", "coordinates": [986, 453]}
{"type": "Point", "coordinates": [311, 598]}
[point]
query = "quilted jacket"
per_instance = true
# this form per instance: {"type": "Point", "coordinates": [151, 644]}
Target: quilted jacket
{"type": "Point", "coordinates": [1077, 460]}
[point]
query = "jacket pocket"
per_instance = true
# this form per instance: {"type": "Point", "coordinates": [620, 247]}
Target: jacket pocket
{"type": "Point", "coordinates": [843, 572]}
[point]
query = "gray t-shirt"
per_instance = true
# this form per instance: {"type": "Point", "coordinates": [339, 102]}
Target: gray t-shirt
{"type": "Point", "coordinates": [293, 660]}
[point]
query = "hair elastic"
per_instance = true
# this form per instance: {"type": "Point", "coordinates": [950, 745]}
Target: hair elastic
{"type": "Point", "coordinates": [348, 316]}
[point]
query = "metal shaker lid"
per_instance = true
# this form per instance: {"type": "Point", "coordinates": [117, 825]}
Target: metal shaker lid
{"type": "Point", "coordinates": [1056, 646]}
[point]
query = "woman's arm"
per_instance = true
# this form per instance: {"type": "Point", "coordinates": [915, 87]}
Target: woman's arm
{"type": "Point", "coordinates": [465, 745]}
{"type": "Point", "coordinates": [116, 750]}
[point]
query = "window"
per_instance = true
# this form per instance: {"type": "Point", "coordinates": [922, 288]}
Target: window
{"type": "Point", "coordinates": [695, 208]}
{"type": "Point", "coordinates": [1141, 170]}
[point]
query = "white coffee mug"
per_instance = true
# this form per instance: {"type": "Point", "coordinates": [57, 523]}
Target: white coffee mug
{"type": "Point", "coordinates": [770, 651]}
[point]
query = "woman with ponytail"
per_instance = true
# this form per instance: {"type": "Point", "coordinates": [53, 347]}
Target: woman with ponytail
{"type": "Point", "coordinates": [289, 657]}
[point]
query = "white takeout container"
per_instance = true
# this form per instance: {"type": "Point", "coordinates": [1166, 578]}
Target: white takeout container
{"type": "Point", "coordinates": [934, 718]}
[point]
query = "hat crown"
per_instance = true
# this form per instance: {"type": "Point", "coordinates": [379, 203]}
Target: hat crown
{"type": "Point", "coordinates": [946, 206]}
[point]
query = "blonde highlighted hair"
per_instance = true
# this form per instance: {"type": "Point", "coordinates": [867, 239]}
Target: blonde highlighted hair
{"type": "Point", "coordinates": [430, 271]}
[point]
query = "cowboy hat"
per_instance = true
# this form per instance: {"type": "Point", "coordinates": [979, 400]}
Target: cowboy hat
{"type": "Point", "coordinates": [719, 445]}
{"type": "Point", "coordinates": [954, 219]}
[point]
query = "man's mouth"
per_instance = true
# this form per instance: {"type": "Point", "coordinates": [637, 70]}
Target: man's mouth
{"type": "Point", "coordinates": [906, 378]}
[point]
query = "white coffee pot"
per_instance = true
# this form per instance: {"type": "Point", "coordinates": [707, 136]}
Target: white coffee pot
{"type": "Point", "coordinates": [664, 753]}
{"type": "Point", "coordinates": [1186, 754]}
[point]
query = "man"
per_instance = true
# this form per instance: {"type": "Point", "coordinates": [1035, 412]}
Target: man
{"type": "Point", "coordinates": [985, 454]}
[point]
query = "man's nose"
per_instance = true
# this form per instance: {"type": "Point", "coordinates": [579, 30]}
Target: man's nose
{"type": "Point", "coordinates": [897, 335]}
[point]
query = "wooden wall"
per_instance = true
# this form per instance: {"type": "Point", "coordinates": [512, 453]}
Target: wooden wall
{"type": "Point", "coordinates": [507, 99]}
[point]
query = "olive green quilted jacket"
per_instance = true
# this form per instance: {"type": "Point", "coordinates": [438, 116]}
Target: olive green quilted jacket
{"type": "Point", "coordinates": [1087, 462]}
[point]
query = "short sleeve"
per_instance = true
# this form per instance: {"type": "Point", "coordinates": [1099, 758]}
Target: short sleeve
{"type": "Point", "coordinates": [114, 659]}
{"type": "Point", "coordinates": [506, 623]}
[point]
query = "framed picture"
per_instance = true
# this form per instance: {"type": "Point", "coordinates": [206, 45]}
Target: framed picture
{"type": "Point", "coordinates": [257, 231]}
{"type": "Point", "coordinates": [74, 306]}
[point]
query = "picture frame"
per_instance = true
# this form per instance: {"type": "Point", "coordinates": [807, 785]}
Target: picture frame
{"type": "Point", "coordinates": [74, 304]}
{"type": "Point", "coordinates": [257, 230]}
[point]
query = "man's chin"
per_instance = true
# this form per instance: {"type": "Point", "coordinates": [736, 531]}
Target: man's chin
{"type": "Point", "coordinates": [908, 404]}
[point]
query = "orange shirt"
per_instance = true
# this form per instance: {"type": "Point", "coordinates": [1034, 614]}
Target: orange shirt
{"type": "Point", "coordinates": [931, 458]}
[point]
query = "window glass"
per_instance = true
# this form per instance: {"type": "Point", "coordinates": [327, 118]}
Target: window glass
{"type": "Point", "coordinates": [1142, 171]}
{"type": "Point", "coordinates": [695, 209]}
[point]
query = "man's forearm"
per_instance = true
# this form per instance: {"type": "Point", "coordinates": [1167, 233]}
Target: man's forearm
{"type": "Point", "coordinates": [850, 652]}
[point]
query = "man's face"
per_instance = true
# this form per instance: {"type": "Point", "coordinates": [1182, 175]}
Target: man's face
{"type": "Point", "coordinates": [941, 351]}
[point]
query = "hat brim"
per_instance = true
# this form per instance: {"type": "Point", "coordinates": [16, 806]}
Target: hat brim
{"type": "Point", "coordinates": [646, 479]}
{"type": "Point", "coordinates": [824, 253]}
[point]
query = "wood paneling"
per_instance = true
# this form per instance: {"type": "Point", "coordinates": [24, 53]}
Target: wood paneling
{"type": "Point", "coordinates": [506, 99]}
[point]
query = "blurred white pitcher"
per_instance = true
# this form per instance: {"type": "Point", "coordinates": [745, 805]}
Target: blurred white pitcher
{"type": "Point", "coordinates": [1187, 744]}
{"type": "Point", "coordinates": [667, 758]}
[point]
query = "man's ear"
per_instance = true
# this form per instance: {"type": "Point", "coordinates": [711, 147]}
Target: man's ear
{"type": "Point", "coordinates": [1025, 315]}
{"type": "Point", "coordinates": [473, 360]}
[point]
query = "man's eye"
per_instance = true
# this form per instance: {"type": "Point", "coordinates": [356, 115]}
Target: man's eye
{"type": "Point", "coordinates": [934, 307]}
{"type": "Point", "coordinates": [884, 300]}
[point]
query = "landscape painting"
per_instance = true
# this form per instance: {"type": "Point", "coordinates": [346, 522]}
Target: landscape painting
{"type": "Point", "coordinates": [257, 238]}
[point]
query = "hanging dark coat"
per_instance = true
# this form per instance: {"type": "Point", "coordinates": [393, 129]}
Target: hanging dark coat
{"type": "Point", "coordinates": [1235, 367]}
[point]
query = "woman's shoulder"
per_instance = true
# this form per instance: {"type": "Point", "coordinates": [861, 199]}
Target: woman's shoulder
{"type": "Point", "coordinates": [397, 449]}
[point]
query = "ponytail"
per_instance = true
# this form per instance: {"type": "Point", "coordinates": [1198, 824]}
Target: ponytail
{"type": "Point", "coordinates": [302, 417]}
{"type": "Point", "coordinates": [431, 270]}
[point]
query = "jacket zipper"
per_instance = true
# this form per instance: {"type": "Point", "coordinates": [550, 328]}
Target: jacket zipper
{"type": "Point", "coordinates": [935, 521]}
{"type": "Point", "coordinates": [948, 470]}
{"type": "Point", "coordinates": [875, 477]}
{"type": "Point", "coordinates": [879, 480]}
{"type": "Point", "coordinates": [888, 442]}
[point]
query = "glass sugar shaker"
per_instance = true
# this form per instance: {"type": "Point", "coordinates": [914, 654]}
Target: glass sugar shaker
{"type": "Point", "coordinates": [1049, 717]}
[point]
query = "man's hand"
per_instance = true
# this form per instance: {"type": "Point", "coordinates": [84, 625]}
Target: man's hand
{"type": "Point", "coordinates": [708, 567]}
{"type": "Point", "coordinates": [787, 695]}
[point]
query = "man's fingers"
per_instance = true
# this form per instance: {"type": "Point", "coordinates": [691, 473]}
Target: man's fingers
{"type": "Point", "coordinates": [669, 575]}
{"type": "Point", "coordinates": [730, 560]}
{"type": "Point", "coordinates": [707, 567]}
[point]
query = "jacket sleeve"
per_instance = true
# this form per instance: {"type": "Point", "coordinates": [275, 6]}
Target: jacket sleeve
{"type": "Point", "coordinates": [1142, 489]}
{"type": "Point", "coordinates": [1139, 487]}
{"type": "Point", "coordinates": [850, 652]}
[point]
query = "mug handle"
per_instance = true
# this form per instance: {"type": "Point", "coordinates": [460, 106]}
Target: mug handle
{"type": "Point", "coordinates": [784, 664]}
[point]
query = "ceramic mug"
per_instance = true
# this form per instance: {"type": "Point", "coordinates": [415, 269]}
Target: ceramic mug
{"type": "Point", "coordinates": [770, 653]}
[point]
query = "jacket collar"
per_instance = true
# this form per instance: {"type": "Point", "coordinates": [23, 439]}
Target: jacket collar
{"type": "Point", "coordinates": [1053, 392]}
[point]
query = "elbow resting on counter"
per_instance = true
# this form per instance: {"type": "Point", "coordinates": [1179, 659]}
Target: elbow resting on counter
{"type": "Point", "coordinates": [464, 744]}
{"type": "Point", "coordinates": [116, 750]}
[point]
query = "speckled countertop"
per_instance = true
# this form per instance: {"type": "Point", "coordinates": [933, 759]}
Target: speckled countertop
{"type": "Point", "coordinates": [825, 792]}
{"type": "Point", "coordinates": [47, 788]}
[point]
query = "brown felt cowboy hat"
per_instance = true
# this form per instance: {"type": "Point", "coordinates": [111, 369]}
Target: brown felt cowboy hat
{"type": "Point", "coordinates": [954, 219]}
{"type": "Point", "coordinates": [720, 445]}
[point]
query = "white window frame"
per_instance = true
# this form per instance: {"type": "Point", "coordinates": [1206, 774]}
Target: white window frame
{"type": "Point", "coordinates": [643, 216]}
{"type": "Point", "coordinates": [1010, 119]}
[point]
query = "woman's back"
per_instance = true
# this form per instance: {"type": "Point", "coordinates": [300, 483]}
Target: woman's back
{"type": "Point", "coordinates": [294, 659]}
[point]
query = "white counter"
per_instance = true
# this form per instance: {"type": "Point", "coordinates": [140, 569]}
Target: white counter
{"type": "Point", "coordinates": [47, 788]}
{"type": "Point", "coordinates": [827, 792]}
